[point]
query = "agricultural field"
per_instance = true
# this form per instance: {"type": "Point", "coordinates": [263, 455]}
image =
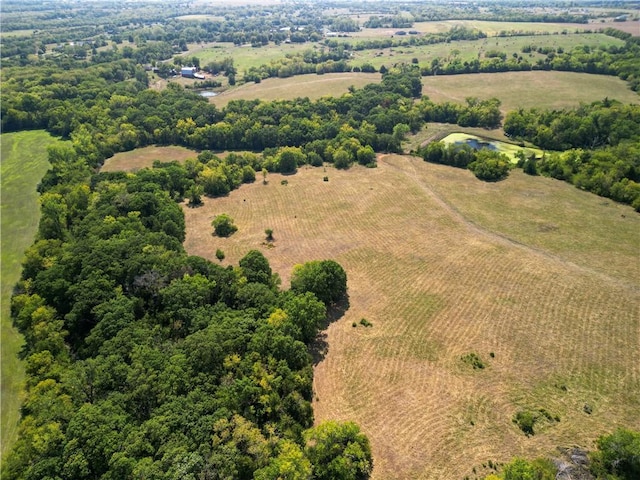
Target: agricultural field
{"type": "Point", "coordinates": [24, 162]}
{"type": "Point", "coordinates": [246, 56]}
{"type": "Point", "coordinates": [523, 89]}
{"type": "Point", "coordinates": [312, 86]}
{"type": "Point", "coordinates": [468, 50]}
{"type": "Point", "coordinates": [536, 277]}
{"type": "Point", "coordinates": [494, 28]}
{"type": "Point", "coordinates": [144, 157]}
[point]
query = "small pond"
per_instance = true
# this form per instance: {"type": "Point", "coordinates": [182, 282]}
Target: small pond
{"type": "Point", "coordinates": [208, 94]}
{"type": "Point", "coordinates": [477, 143]}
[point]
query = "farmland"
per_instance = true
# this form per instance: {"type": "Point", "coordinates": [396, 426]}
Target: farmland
{"type": "Point", "coordinates": [20, 213]}
{"type": "Point", "coordinates": [468, 50]}
{"type": "Point", "coordinates": [144, 157]}
{"type": "Point", "coordinates": [523, 89]}
{"type": "Point", "coordinates": [457, 266]}
{"type": "Point", "coordinates": [312, 86]}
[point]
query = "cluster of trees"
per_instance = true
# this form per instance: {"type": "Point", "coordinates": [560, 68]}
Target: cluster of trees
{"type": "Point", "coordinates": [599, 144]}
{"type": "Point", "coordinates": [476, 112]}
{"type": "Point", "coordinates": [145, 362]}
{"type": "Point", "coordinates": [486, 164]}
{"type": "Point", "coordinates": [620, 61]}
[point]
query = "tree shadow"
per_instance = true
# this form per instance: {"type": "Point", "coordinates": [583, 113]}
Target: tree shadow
{"type": "Point", "coordinates": [320, 346]}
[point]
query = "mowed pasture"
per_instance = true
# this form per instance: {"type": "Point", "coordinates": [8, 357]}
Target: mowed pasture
{"type": "Point", "coordinates": [535, 89]}
{"type": "Point", "coordinates": [144, 157]}
{"type": "Point", "coordinates": [536, 272]}
{"type": "Point", "coordinates": [312, 86]}
{"type": "Point", "coordinates": [23, 163]}
{"type": "Point", "coordinates": [467, 50]}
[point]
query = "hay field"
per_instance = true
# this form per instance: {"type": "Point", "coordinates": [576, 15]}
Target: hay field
{"type": "Point", "coordinates": [537, 272]}
{"type": "Point", "coordinates": [470, 50]}
{"type": "Point", "coordinates": [537, 89]}
{"type": "Point", "coordinates": [312, 86]}
{"type": "Point", "coordinates": [144, 157]}
{"type": "Point", "coordinates": [24, 162]}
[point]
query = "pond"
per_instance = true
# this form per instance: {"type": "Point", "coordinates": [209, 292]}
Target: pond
{"type": "Point", "coordinates": [208, 94]}
{"type": "Point", "coordinates": [477, 143]}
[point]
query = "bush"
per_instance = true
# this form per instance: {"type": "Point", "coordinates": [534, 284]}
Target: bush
{"type": "Point", "coordinates": [525, 420]}
{"type": "Point", "coordinates": [618, 455]}
{"type": "Point", "coordinates": [219, 254]}
{"type": "Point", "coordinates": [490, 166]}
{"type": "Point", "coordinates": [223, 225]}
{"type": "Point", "coordinates": [474, 360]}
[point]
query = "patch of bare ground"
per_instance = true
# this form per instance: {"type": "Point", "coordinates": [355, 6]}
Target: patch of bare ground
{"type": "Point", "coordinates": [438, 280]}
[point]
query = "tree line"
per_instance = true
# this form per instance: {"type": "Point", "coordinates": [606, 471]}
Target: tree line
{"type": "Point", "coordinates": [595, 147]}
{"type": "Point", "coordinates": [145, 362]}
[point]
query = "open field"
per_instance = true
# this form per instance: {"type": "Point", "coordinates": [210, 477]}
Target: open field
{"type": "Point", "coordinates": [494, 28]}
{"type": "Point", "coordinates": [246, 56]}
{"type": "Point", "coordinates": [468, 50]}
{"type": "Point", "coordinates": [144, 157]}
{"type": "Point", "coordinates": [24, 162]}
{"type": "Point", "coordinates": [312, 86]}
{"type": "Point", "coordinates": [543, 275]}
{"type": "Point", "coordinates": [537, 89]}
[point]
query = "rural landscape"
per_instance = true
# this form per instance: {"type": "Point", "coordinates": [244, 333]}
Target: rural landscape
{"type": "Point", "coordinates": [269, 239]}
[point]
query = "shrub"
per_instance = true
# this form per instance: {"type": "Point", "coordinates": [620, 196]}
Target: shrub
{"type": "Point", "coordinates": [618, 455]}
{"type": "Point", "coordinates": [223, 225]}
{"type": "Point", "coordinates": [474, 360]}
{"type": "Point", "coordinates": [525, 420]}
{"type": "Point", "coordinates": [219, 254]}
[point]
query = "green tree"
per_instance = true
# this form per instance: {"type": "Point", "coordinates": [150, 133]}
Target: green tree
{"type": "Point", "coordinates": [219, 254]}
{"type": "Point", "coordinates": [326, 279]}
{"type": "Point", "coordinates": [366, 155]}
{"type": "Point", "coordinates": [223, 225]}
{"type": "Point", "coordinates": [338, 450]}
{"type": "Point", "coordinates": [618, 456]}
{"type": "Point", "coordinates": [289, 158]}
{"type": "Point", "coordinates": [255, 267]}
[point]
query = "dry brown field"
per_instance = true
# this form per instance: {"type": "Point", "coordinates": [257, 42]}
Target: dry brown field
{"type": "Point", "coordinates": [144, 157]}
{"type": "Point", "coordinates": [533, 270]}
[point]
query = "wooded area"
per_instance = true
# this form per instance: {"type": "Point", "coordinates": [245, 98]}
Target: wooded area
{"type": "Point", "coordinates": [145, 362]}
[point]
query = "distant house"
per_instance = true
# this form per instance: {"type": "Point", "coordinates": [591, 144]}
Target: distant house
{"type": "Point", "coordinates": [189, 72]}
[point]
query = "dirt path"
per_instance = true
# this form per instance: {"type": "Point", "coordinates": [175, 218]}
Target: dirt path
{"type": "Point", "coordinates": [495, 236]}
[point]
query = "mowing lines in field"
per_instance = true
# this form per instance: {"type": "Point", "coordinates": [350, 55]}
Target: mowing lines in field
{"type": "Point", "coordinates": [437, 286]}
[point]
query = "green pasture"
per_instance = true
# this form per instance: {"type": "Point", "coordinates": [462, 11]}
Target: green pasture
{"type": "Point", "coordinates": [23, 163]}
{"type": "Point", "coordinates": [246, 56]}
{"type": "Point", "coordinates": [535, 89]}
{"type": "Point", "coordinates": [508, 149]}
{"type": "Point", "coordinates": [467, 50]}
{"type": "Point", "coordinates": [494, 28]}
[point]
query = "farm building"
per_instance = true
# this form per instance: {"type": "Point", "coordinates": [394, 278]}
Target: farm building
{"type": "Point", "coordinates": [189, 72]}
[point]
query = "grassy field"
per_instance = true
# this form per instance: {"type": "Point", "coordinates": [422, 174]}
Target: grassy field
{"type": "Point", "coordinates": [523, 89]}
{"type": "Point", "coordinates": [469, 50]}
{"type": "Point", "coordinates": [24, 162]}
{"type": "Point", "coordinates": [245, 56]}
{"type": "Point", "coordinates": [312, 86]}
{"type": "Point", "coordinates": [540, 274]}
{"type": "Point", "coordinates": [144, 157]}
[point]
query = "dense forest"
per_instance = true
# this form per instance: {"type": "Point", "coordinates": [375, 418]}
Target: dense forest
{"type": "Point", "coordinates": [145, 362]}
